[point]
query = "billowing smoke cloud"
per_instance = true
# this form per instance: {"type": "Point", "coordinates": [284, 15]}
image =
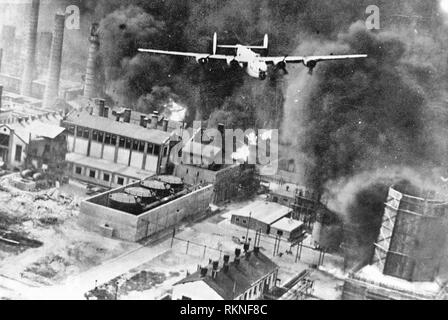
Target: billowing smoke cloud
{"type": "Point", "coordinates": [355, 125]}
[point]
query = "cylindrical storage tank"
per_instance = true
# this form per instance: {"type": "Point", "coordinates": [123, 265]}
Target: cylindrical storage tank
{"type": "Point", "coordinates": [124, 202]}
{"type": "Point", "coordinates": [144, 194]}
{"type": "Point", "coordinates": [159, 188]}
{"type": "Point", "coordinates": [26, 173]}
{"type": "Point", "coordinates": [413, 234]}
{"type": "Point", "coordinates": [174, 182]}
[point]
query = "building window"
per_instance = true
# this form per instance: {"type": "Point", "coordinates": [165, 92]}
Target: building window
{"type": "Point", "coordinates": [141, 146]}
{"type": "Point", "coordinates": [150, 148]}
{"type": "Point", "coordinates": [122, 142]}
{"type": "Point", "coordinates": [95, 135]}
{"type": "Point", "coordinates": [156, 150]}
{"type": "Point", "coordinates": [100, 137]}
{"type": "Point", "coordinates": [244, 221]}
{"type": "Point", "coordinates": [128, 143]}
{"type": "Point", "coordinates": [135, 145]}
{"type": "Point", "coordinates": [71, 130]}
{"type": "Point", "coordinates": [120, 181]}
{"type": "Point", "coordinates": [165, 151]}
{"type": "Point", "coordinates": [92, 173]}
{"type": "Point", "coordinates": [78, 170]}
{"type": "Point", "coordinates": [79, 132]}
{"type": "Point", "coordinates": [237, 219]}
{"type": "Point", "coordinates": [107, 139]}
{"type": "Point", "coordinates": [255, 290]}
{"type": "Point", "coordinates": [85, 133]}
{"type": "Point", "coordinates": [113, 140]}
{"type": "Point", "coordinates": [106, 177]}
{"type": "Point", "coordinates": [18, 156]}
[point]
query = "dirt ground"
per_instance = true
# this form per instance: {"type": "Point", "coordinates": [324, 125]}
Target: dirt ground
{"type": "Point", "coordinates": [53, 246]}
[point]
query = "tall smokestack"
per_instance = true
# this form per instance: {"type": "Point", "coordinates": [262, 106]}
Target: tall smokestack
{"type": "Point", "coordinates": [30, 49]}
{"type": "Point", "coordinates": [54, 70]}
{"type": "Point", "coordinates": [1, 59]}
{"type": "Point", "coordinates": [43, 51]}
{"type": "Point", "coordinates": [1, 97]}
{"type": "Point", "coordinates": [89, 87]}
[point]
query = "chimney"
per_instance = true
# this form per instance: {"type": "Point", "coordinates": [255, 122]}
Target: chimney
{"type": "Point", "coordinates": [215, 269]}
{"type": "Point", "coordinates": [226, 259]}
{"type": "Point", "coordinates": [203, 272]}
{"type": "Point", "coordinates": [106, 112]}
{"type": "Point", "coordinates": [1, 97]}
{"type": "Point", "coordinates": [8, 41]}
{"type": "Point", "coordinates": [90, 81]}
{"type": "Point", "coordinates": [154, 120]}
{"type": "Point", "coordinates": [54, 70]}
{"type": "Point", "coordinates": [143, 121]}
{"type": "Point", "coordinates": [221, 129]}
{"type": "Point", "coordinates": [127, 115]}
{"type": "Point", "coordinates": [165, 125]}
{"type": "Point", "coordinates": [43, 51]}
{"type": "Point", "coordinates": [101, 107]}
{"type": "Point", "coordinates": [225, 266]}
{"type": "Point", "coordinates": [1, 59]}
{"type": "Point", "coordinates": [256, 250]}
{"type": "Point", "coordinates": [246, 247]}
{"type": "Point", "coordinates": [237, 256]}
{"type": "Point", "coordinates": [30, 49]}
{"type": "Point", "coordinates": [248, 255]}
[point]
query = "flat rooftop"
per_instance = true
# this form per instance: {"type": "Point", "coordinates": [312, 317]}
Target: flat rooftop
{"type": "Point", "coordinates": [264, 211]}
{"type": "Point", "coordinates": [287, 224]}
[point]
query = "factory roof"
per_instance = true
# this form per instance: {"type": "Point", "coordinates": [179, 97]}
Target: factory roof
{"type": "Point", "coordinates": [239, 278]}
{"type": "Point", "coordinates": [37, 129]}
{"type": "Point", "coordinates": [287, 224]}
{"type": "Point", "coordinates": [267, 212]}
{"type": "Point", "coordinates": [123, 129]}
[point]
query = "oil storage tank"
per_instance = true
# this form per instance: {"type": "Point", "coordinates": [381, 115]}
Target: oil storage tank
{"type": "Point", "coordinates": [159, 188]}
{"type": "Point", "coordinates": [124, 202]}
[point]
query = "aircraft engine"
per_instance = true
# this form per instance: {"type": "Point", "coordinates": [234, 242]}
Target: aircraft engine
{"type": "Point", "coordinates": [281, 66]}
{"type": "Point", "coordinates": [202, 61]}
{"type": "Point", "coordinates": [232, 63]}
{"type": "Point", "coordinates": [310, 64]}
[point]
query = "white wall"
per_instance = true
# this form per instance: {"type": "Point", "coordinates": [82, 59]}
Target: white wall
{"type": "Point", "coordinates": [197, 290]}
{"type": "Point", "coordinates": [81, 145]}
{"type": "Point", "coordinates": [95, 149]}
{"type": "Point", "coordinates": [109, 153]}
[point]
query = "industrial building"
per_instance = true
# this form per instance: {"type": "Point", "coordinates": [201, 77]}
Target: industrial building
{"type": "Point", "coordinates": [407, 255]}
{"type": "Point", "coordinates": [144, 208]}
{"type": "Point", "coordinates": [110, 150]}
{"type": "Point", "coordinates": [203, 162]}
{"type": "Point", "coordinates": [260, 215]}
{"type": "Point", "coordinates": [39, 143]}
{"type": "Point", "coordinates": [288, 228]}
{"type": "Point", "coordinates": [247, 277]}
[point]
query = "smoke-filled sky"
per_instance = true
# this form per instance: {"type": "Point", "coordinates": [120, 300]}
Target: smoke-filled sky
{"type": "Point", "coordinates": [350, 119]}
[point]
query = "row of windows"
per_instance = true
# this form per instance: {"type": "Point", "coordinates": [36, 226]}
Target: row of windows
{"type": "Point", "coordinates": [92, 173]}
{"type": "Point", "coordinates": [111, 139]}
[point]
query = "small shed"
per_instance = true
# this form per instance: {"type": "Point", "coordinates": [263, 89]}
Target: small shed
{"type": "Point", "coordinates": [288, 228]}
{"type": "Point", "coordinates": [260, 215]}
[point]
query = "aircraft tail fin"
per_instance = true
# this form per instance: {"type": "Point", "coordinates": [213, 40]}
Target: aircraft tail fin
{"type": "Point", "coordinates": [215, 42]}
{"type": "Point", "coordinates": [264, 46]}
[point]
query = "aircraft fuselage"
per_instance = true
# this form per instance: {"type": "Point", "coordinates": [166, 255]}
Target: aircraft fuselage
{"type": "Point", "coordinates": [255, 67]}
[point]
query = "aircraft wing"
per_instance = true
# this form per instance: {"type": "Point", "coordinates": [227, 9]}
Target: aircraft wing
{"type": "Point", "coordinates": [300, 59]}
{"type": "Point", "coordinates": [196, 55]}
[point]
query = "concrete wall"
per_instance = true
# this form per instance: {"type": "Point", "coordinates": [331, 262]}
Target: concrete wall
{"type": "Point", "coordinates": [171, 213]}
{"type": "Point", "coordinates": [94, 216]}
